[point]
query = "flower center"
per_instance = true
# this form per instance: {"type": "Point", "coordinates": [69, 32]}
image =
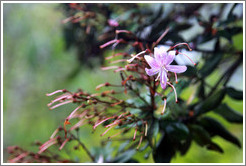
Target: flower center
{"type": "Point", "coordinates": [163, 67]}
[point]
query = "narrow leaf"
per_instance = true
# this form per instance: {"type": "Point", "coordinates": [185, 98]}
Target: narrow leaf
{"type": "Point", "coordinates": [210, 64]}
{"type": "Point", "coordinates": [216, 128]}
{"type": "Point", "coordinates": [229, 114]}
{"type": "Point", "coordinates": [235, 94]}
{"type": "Point", "coordinates": [210, 103]}
{"type": "Point", "coordinates": [165, 151]}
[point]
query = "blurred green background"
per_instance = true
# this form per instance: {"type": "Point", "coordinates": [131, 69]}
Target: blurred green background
{"type": "Point", "coordinates": [36, 63]}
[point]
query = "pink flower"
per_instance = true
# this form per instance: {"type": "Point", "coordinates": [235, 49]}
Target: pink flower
{"type": "Point", "coordinates": [160, 65]}
{"type": "Point", "coordinates": [113, 23]}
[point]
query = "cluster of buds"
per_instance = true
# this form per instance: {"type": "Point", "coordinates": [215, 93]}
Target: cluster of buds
{"type": "Point", "coordinates": [19, 155]}
{"type": "Point", "coordinates": [88, 112]}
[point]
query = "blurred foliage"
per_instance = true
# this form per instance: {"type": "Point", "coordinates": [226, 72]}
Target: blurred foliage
{"type": "Point", "coordinates": [185, 133]}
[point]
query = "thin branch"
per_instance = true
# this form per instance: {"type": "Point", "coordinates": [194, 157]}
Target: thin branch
{"type": "Point", "coordinates": [84, 147]}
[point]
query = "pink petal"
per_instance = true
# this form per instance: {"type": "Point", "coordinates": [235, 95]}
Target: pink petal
{"type": "Point", "coordinates": [169, 57]}
{"type": "Point", "coordinates": [163, 79]}
{"type": "Point", "coordinates": [157, 54]}
{"type": "Point", "coordinates": [152, 71]}
{"type": "Point", "coordinates": [113, 23]}
{"type": "Point", "coordinates": [151, 61]}
{"type": "Point", "coordinates": [160, 55]}
{"type": "Point", "coordinates": [176, 68]}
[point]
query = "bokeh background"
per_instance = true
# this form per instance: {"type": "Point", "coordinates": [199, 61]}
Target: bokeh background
{"type": "Point", "coordinates": [36, 62]}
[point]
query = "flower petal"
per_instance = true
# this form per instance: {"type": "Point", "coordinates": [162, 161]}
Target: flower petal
{"type": "Point", "coordinates": [157, 54]}
{"type": "Point", "coordinates": [160, 55]}
{"type": "Point", "coordinates": [152, 71]}
{"type": "Point", "coordinates": [163, 79]}
{"type": "Point", "coordinates": [151, 61]}
{"type": "Point", "coordinates": [176, 68]}
{"type": "Point", "coordinates": [170, 57]}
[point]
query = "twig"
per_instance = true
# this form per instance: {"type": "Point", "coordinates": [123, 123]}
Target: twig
{"type": "Point", "coordinates": [85, 148]}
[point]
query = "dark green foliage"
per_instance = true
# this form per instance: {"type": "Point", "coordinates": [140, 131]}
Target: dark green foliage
{"type": "Point", "coordinates": [176, 136]}
{"type": "Point", "coordinates": [229, 114]}
{"type": "Point", "coordinates": [153, 131]}
{"type": "Point", "coordinates": [164, 156]}
{"type": "Point", "coordinates": [202, 137]}
{"type": "Point", "coordinates": [216, 128]}
{"type": "Point", "coordinates": [210, 64]}
{"type": "Point", "coordinates": [235, 94]}
{"type": "Point", "coordinates": [210, 103]}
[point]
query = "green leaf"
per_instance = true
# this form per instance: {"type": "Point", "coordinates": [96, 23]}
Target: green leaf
{"type": "Point", "coordinates": [124, 157]}
{"type": "Point", "coordinates": [200, 135]}
{"type": "Point", "coordinates": [235, 94]}
{"type": "Point", "coordinates": [210, 103]}
{"type": "Point", "coordinates": [210, 64]}
{"type": "Point", "coordinates": [123, 145]}
{"type": "Point", "coordinates": [229, 32]}
{"type": "Point", "coordinates": [181, 27]}
{"type": "Point", "coordinates": [132, 161]}
{"type": "Point", "coordinates": [177, 131]}
{"type": "Point", "coordinates": [146, 155]}
{"type": "Point", "coordinates": [137, 102]}
{"type": "Point", "coordinates": [158, 99]}
{"type": "Point", "coordinates": [144, 147]}
{"type": "Point", "coordinates": [185, 145]}
{"type": "Point", "coordinates": [165, 151]}
{"type": "Point", "coordinates": [190, 72]}
{"type": "Point", "coordinates": [180, 136]}
{"type": "Point", "coordinates": [105, 151]}
{"type": "Point", "coordinates": [202, 138]}
{"type": "Point", "coordinates": [215, 147]}
{"type": "Point", "coordinates": [175, 138]}
{"type": "Point", "coordinates": [152, 133]}
{"type": "Point", "coordinates": [229, 114]}
{"type": "Point", "coordinates": [216, 128]}
{"type": "Point", "coordinates": [135, 111]}
{"type": "Point", "coordinates": [201, 90]}
{"type": "Point", "coordinates": [238, 42]}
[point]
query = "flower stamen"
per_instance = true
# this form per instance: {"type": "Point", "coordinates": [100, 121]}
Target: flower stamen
{"type": "Point", "coordinates": [58, 105]}
{"type": "Point", "coordinates": [130, 60]}
{"type": "Point", "coordinates": [182, 44]}
{"type": "Point", "coordinates": [107, 130]}
{"type": "Point", "coordinates": [140, 141]}
{"type": "Point", "coordinates": [58, 91]}
{"type": "Point", "coordinates": [102, 121]}
{"type": "Point", "coordinates": [63, 144]}
{"type": "Point", "coordinates": [164, 107]}
{"type": "Point", "coordinates": [146, 128]}
{"type": "Point", "coordinates": [176, 78]}
{"type": "Point", "coordinates": [134, 136]}
{"type": "Point", "coordinates": [188, 58]}
{"type": "Point", "coordinates": [108, 43]}
{"type": "Point", "coordinates": [157, 77]}
{"type": "Point", "coordinates": [176, 98]}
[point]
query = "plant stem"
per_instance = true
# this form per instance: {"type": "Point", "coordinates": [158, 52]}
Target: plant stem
{"type": "Point", "coordinates": [134, 90]}
{"type": "Point", "coordinates": [152, 95]}
{"type": "Point", "coordinates": [84, 147]}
